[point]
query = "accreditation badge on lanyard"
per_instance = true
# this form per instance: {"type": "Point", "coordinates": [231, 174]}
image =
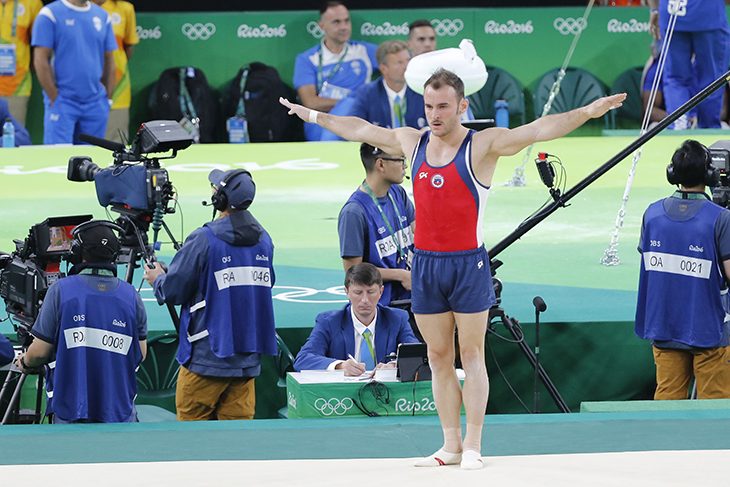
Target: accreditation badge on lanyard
{"type": "Point", "coordinates": [7, 60]}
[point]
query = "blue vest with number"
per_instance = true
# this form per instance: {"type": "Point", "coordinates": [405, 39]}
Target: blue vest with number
{"type": "Point", "coordinates": [382, 250]}
{"type": "Point", "coordinates": [682, 295]}
{"type": "Point", "coordinates": [97, 352]}
{"type": "Point", "coordinates": [238, 311]}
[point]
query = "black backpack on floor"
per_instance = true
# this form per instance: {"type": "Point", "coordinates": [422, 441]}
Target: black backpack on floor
{"type": "Point", "coordinates": [197, 100]}
{"type": "Point", "coordinates": [267, 119]}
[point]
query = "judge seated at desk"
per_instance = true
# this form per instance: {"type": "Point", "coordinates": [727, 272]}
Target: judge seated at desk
{"type": "Point", "coordinates": [359, 336]}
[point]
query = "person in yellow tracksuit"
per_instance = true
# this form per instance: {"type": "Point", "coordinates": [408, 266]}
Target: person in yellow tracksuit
{"type": "Point", "coordinates": [124, 24]}
{"type": "Point", "coordinates": [16, 23]}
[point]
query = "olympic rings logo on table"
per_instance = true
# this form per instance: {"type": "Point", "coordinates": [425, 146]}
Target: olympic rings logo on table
{"type": "Point", "coordinates": [315, 30]}
{"type": "Point", "coordinates": [198, 31]}
{"type": "Point", "coordinates": [447, 27]}
{"type": "Point", "coordinates": [569, 25]}
{"type": "Point", "coordinates": [335, 406]}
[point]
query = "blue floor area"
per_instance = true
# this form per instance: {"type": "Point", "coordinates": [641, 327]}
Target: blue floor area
{"type": "Point", "coordinates": [392, 437]}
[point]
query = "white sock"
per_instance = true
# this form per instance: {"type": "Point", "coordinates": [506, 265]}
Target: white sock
{"type": "Point", "coordinates": [471, 460]}
{"type": "Point", "coordinates": [440, 458]}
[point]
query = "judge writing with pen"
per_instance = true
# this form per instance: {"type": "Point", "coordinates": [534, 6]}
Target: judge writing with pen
{"type": "Point", "coordinates": [359, 336]}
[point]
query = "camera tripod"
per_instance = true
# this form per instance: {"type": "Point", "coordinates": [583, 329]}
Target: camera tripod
{"type": "Point", "coordinates": [135, 246]}
{"type": "Point", "coordinates": [12, 409]}
{"type": "Point", "coordinates": [513, 327]}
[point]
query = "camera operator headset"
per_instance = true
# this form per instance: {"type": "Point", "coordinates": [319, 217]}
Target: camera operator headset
{"type": "Point", "coordinates": [91, 332]}
{"type": "Point", "coordinates": [710, 175]}
{"type": "Point", "coordinates": [682, 296]}
{"type": "Point", "coordinates": [219, 199]}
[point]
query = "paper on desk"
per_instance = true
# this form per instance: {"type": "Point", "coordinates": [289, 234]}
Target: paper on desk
{"type": "Point", "coordinates": [318, 376]}
{"type": "Point", "coordinates": [367, 375]}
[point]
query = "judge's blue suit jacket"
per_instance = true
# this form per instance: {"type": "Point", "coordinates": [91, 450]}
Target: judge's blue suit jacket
{"type": "Point", "coordinates": [370, 102]}
{"type": "Point", "coordinates": [333, 337]}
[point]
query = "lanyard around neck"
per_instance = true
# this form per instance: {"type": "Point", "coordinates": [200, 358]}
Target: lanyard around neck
{"type": "Point", "coordinates": [320, 80]}
{"type": "Point", "coordinates": [396, 240]}
{"type": "Point", "coordinates": [14, 23]}
{"type": "Point", "coordinates": [186, 103]}
{"type": "Point", "coordinates": [241, 108]}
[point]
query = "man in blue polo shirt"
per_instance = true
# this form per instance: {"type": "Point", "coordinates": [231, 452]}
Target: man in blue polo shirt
{"type": "Point", "coordinates": [683, 295]}
{"type": "Point", "coordinates": [330, 71]}
{"type": "Point", "coordinates": [73, 53]}
{"type": "Point", "coordinates": [376, 223]}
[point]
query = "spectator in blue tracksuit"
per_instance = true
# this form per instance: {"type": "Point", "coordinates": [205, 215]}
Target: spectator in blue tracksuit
{"type": "Point", "coordinates": [74, 45]}
{"type": "Point", "coordinates": [222, 277]}
{"type": "Point", "coordinates": [701, 33]}
{"type": "Point", "coordinates": [331, 70]}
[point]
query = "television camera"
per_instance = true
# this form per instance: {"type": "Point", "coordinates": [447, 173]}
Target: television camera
{"type": "Point", "coordinates": [135, 185]}
{"type": "Point", "coordinates": [720, 160]}
{"type": "Point", "coordinates": [26, 274]}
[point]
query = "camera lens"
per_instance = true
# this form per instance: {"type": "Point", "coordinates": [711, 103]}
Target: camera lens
{"type": "Point", "coordinates": [81, 169]}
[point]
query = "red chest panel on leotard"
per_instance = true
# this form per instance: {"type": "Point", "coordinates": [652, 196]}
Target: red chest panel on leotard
{"type": "Point", "coordinates": [449, 201]}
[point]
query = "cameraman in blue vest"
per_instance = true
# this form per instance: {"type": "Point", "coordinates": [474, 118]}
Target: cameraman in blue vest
{"type": "Point", "coordinates": [92, 332]}
{"type": "Point", "coordinates": [683, 296]}
{"type": "Point", "coordinates": [376, 223]}
{"type": "Point", "coordinates": [222, 277]}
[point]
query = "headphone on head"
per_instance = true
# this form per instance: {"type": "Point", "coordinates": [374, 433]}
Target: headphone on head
{"type": "Point", "coordinates": [219, 199]}
{"type": "Point", "coordinates": [711, 176]}
{"type": "Point", "coordinates": [77, 244]}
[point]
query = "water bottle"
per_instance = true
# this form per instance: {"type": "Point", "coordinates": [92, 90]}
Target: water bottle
{"type": "Point", "coordinates": [8, 133]}
{"type": "Point", "coordinates": [501, 113]}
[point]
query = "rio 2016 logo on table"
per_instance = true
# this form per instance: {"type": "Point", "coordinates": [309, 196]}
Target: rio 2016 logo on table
{"type": "Point", "coordinates": [334, 406]}
{"type": "Point", "coordinates": [291, 400]}
{"type": "Point", "coordinates": [198, 31]}
{"type": "Point", "coordinates": [447, 27]}
{"type": "Point", "coordinates": [403, 405]}
{"type": "Point", "coordinates": [569, 26]}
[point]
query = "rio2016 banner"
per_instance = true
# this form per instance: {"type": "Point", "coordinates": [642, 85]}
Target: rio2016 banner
{"type": "Point", "coordinates": [527, 42]}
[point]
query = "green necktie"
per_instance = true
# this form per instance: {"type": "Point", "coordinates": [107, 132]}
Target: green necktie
{"type": "Point", "coordinates": [367, 354]}
{"type": "Point", "coordinates": [397, 112]}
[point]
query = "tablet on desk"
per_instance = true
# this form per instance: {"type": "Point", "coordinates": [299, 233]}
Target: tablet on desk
{"type": "Point", "coordinates": [412, 362]}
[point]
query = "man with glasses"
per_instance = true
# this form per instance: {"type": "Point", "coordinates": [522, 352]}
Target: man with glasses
{"type": "Point", "coordinates": [376, 223]}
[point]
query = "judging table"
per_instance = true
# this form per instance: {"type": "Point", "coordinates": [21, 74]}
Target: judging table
{"type": "Point", "coordinates": [329, 394]}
